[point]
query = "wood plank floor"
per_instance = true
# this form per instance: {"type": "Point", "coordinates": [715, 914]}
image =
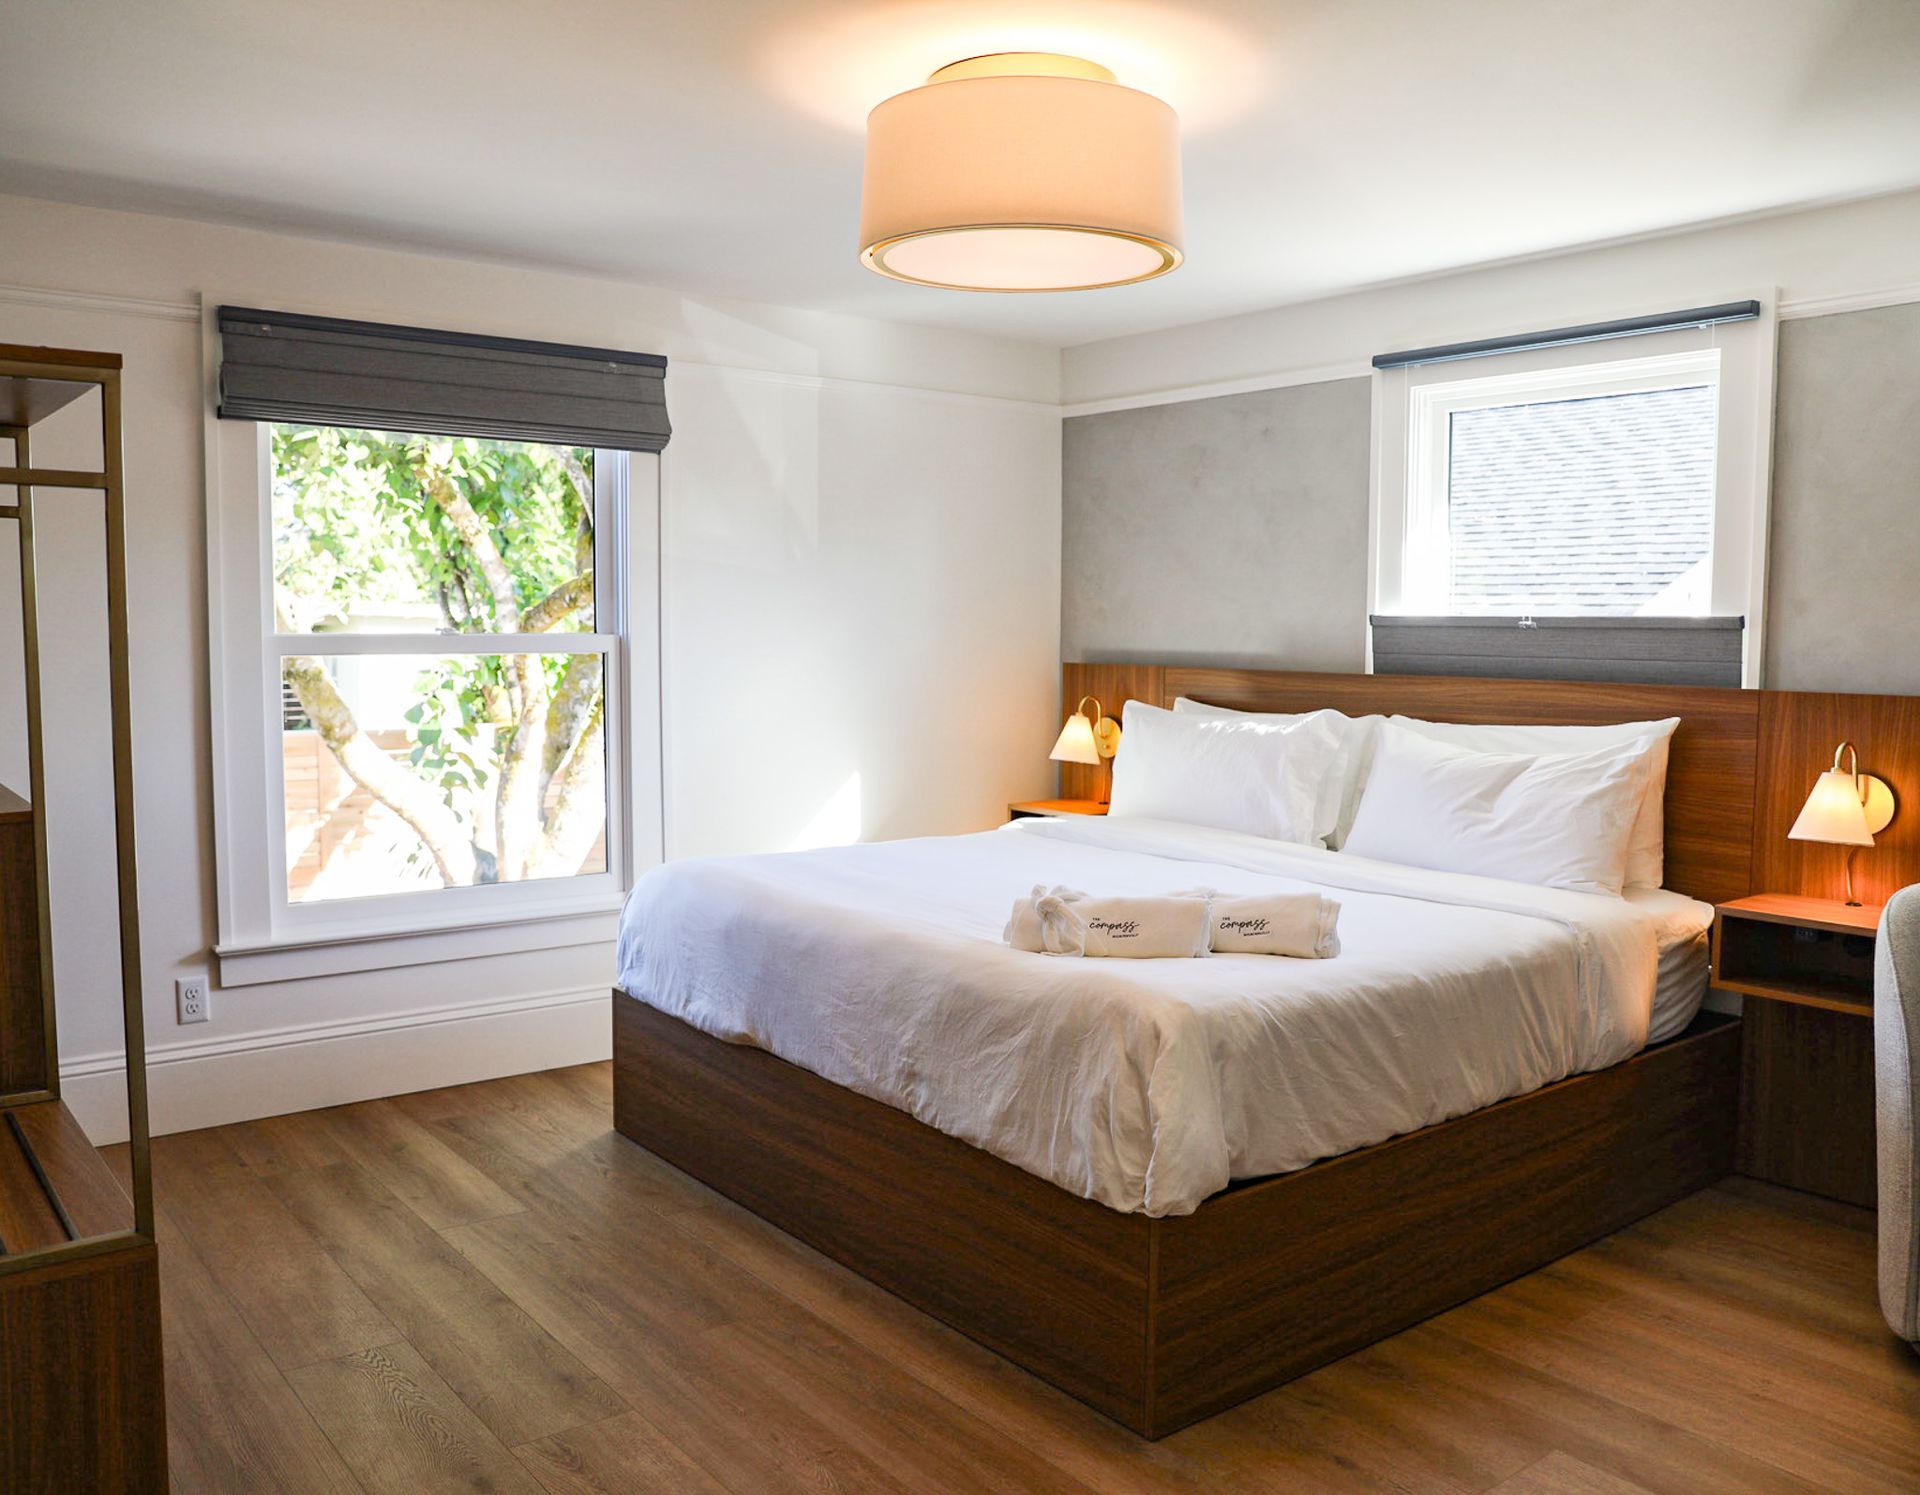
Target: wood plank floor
{"type": "Point", "coordinates": [485, 1288]}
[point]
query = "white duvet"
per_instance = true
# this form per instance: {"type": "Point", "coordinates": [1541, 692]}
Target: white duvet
{"type": "Point", "coordinates": [1147, 1085]}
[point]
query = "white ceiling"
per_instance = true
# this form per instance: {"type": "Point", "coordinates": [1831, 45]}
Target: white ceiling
{"type": "Point", "coordinates": [714, 146]}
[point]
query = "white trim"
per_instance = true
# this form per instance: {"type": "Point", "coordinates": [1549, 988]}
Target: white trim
{"type": "Point", "coordinates": [1278, 378]}
{"type": "Point", "coordinates": [1252, 384]}
{"type": "Point", "coordinates": [841, 381]}
{"type": "Point", "coordinates": [112, 1061]}
{"type": "Point", "coordinates": [1286, 378]}
{"type": "Point", "coordinates": [338, 954]}
{"type": "Point", "coordinates": [101, 302]}
{"type": "Point", "coordinates": [1827, 306]}
{"type": "Point", "coordinates": [308, 1065]}
{"type": "Point", "coordinates": [113, 303]}
{"type": "Point", "coordinates": [340, 645]}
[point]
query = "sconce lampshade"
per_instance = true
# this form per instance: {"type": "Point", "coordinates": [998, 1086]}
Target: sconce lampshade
{"type": "Point", "coordinates": [1022, 171]}
{"type": "Point", "coordinates": [1076, 744]}
{"type": "Point", "coordinates": [1833, 813]}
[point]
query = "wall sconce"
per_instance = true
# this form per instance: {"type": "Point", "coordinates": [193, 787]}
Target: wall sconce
{"type": "Point", "coordinates": [1846, 808]}
{"type": "Point", "coordinates": [1089, 739]}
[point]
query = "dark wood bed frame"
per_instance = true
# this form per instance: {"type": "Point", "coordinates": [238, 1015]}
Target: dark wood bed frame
{"type": "Point", "coordinates": [1160, 1322]}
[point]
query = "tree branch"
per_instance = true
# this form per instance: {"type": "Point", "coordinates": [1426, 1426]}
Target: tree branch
{"type": "Point", "coordinates": [553, 609]}
{"type": "Point", "coordinates": [477, 536]}
{"type": "Point", "coordinates": [522, 756]}
{"type": "Point", "coordinates": [572, 710]}
{"type": "Point", "coordinates": [367, 765]}
{"type": "Point", "coordinates": [579, 811]}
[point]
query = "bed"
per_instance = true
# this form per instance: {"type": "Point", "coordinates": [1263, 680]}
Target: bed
{"type": "Point", "coordinates": [1152, 1085]}
{"type": "Point", "coordinates": [1167, 1185]}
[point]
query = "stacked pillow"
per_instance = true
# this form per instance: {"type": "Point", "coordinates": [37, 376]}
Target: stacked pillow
{"type": "Point", "coordinates": [1579, 807]}
{"type": "Point", "coordinates": [1268, 778]}
{"type": "Point", "coordinates": [1558, 820]}
{"type": "Point", "coordinates": [1646, 846]}
{"type": "Point", "coordinates": [1358, 737]}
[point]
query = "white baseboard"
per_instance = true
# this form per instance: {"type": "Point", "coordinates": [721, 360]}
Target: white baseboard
{"type": "Point", "coordinates": [194, 1085]}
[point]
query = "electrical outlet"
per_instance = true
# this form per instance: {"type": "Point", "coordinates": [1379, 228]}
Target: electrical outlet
{"type": "Point", "coordinates": [191, 996]}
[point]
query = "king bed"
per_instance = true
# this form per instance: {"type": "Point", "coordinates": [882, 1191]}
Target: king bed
{"type": "Point", "coordinates": [1166, 1185]}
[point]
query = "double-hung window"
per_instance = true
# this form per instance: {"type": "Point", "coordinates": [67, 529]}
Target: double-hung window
{"type": "Point", "coordinates": [435, 657]}
{"type": "Point", "coordinates": [1596, 508]}
{"type": "Point", "coordinates": [445, 663]}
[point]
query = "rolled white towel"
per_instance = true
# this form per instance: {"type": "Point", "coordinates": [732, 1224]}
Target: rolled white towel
{"type": "Point", "coordinates": [1304, 925]}
{"type": "Point", "coordinates": [1027, 928]}
{"type": "Point", "coordinates": [1064, 921]}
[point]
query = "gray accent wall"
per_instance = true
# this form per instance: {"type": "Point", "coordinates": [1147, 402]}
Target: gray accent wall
{"type": "Point", "coordinates": [1843, 590]}
{"type": "Point", "coordinates": [1234, 530]}
{"type": "Point", "coordinates": [1227, 530]}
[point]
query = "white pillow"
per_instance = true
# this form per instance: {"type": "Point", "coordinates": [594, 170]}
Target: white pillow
{"type": "Point", "coordinates": [1265, 778]}
{"type": "Point", "coordinates": [1359, 736]}
{"type": "Point", "coordinates": [1559, 820]}
{"type": "Point", "coordinates": [1646, 849]}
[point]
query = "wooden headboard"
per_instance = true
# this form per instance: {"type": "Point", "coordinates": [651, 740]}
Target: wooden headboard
{"type": "Point", "coordinates": [1742, 761]}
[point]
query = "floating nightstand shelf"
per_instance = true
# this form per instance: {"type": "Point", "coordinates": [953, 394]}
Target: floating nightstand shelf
{"type": "Point", "coordinates": [1805, 969]}
{"type": "Point", "coordinates": [1812, 951]}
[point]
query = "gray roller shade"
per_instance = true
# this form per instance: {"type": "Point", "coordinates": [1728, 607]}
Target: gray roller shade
{"type": "Point", "coordinates": [1641, 651]}
{"type": "Point", "coordinates": [281, 366]}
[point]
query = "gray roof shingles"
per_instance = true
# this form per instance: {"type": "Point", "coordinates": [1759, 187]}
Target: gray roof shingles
{"type": "Point", "coordinates": [1590, 506]}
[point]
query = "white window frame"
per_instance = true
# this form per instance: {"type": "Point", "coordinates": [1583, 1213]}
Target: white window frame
{"type": "Point", "coordinates": [1408, 551]}
{"type": "Point", "coordinates": [263, 935]}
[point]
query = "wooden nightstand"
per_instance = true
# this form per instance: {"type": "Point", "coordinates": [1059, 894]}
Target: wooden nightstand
{"type": "Point", "coordinates": [1805, 968]}
{"type": "Point", "coordinates": [1021, 808]}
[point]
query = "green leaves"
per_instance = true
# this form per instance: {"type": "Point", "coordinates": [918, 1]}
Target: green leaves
{"type": "Point", "coordinates": [359, 543]}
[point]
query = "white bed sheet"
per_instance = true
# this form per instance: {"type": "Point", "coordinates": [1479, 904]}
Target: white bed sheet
{"type": "Point", "coordinates": [1148, 1085]}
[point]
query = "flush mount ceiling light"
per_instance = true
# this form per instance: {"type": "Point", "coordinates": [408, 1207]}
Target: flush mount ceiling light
{"type": "Point", "coordinates": [1022, 171]}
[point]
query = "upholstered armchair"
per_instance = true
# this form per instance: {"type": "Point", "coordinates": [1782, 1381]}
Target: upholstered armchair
{"type": "Point", "coordinates": [1896, 1045]}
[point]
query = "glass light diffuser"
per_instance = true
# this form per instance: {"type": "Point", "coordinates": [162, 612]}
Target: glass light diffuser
{"type": "Point", "coordinates": [1022, 171]}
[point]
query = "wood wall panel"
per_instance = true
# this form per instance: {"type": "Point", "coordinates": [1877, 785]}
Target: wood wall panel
{"type": "Point", "coordinates": [1798, 733]}
{"type": "Point", "coordinates": [1806, 1100]}
{"type": "Point", "coordinates": [1710, 776]}
{"type": "Point", "coordinates": [1114, 685]}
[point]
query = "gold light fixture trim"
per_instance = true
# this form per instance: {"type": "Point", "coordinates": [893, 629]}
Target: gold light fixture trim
{"type": "Point", "coordinates": [1022, 172]}
{"type": "Point", "coordinates": [1022, 64]}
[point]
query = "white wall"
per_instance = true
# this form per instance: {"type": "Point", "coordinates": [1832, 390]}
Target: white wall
{"type": "Point", "coordinates": [860, 621]}
{"type": "Point", "coordinates": [1821, 260]}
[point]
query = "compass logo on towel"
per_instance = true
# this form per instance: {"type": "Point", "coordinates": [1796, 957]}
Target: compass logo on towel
{"type": "Point", "coordinates": [1116, 929]}
{"type": "Point", "coordinates": [1232, 925]}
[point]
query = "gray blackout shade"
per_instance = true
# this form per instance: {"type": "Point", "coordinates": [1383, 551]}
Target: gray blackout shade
{"type": "Point", "coordinates": [281, 366]}
{"type": "Point", "coordinates": [1640, 651]}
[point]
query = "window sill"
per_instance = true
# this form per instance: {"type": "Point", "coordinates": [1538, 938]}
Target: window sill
{"type": "Point", "coordinates": [255, 964]}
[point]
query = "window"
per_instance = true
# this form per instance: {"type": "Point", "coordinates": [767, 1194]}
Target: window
{"type": "Point", "coordinates": [436, 694]}
{"type": "Point", "coordinates": [433, 620]}
{"type": "Point", "coordinates": [1587, 495]}
{"type": "Point", "coordinates": [443, 683]}
{"type": "Point", "coordinates": [1602, 481]}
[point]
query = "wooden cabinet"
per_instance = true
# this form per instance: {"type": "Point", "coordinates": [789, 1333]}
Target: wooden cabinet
{"type": "Point", "coordinates": [1804, 967]}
